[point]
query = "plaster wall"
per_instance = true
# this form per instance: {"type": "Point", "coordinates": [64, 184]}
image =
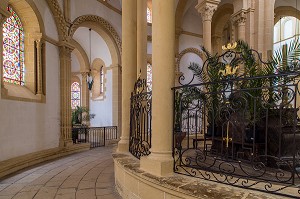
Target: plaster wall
{"type": "Point", "coordinates": [78, 8]}
{"type": "Point", "coordinates": [187, 41]}
{"type": "Point", "coordinates": [28, 127]}
{"type": "Point", "coordinates": [50, 27]}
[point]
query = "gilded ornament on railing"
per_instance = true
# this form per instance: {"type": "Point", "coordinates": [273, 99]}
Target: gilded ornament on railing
{"type": "Point", "coordinates": [229, 46]}
{"type": "Point", "coordinates": [229, 70]}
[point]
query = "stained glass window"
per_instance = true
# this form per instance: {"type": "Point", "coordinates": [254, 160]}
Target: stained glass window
{"type": "Point", "coordinates": [13, 49]}
{"type": "Point", "coordinates": [149, 15]}
{"type": "Point", "coordinates": [101, 80]}
{"type": "Point", "coordinates": [149, 77]}
{"type": "Point", "coordinates": [75, 95]}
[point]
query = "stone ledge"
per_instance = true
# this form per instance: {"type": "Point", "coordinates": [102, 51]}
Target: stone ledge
{"type": "Point", "coordinates": [15, 164]}
{"type": "Point", "coordinates": [175, 187]}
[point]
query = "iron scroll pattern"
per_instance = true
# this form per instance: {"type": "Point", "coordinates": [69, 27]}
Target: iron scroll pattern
{"type": "Point", "coordinates": [238, 129]}
{"type": "Point", "coordinates": [140, 120]}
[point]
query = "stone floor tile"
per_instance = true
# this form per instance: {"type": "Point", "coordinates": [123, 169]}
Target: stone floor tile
{"type": "Point", "coordinates": [86, 185]}
{"type": "Point", "coordinates": [12, 189]}
{"type": "Point", "coordinates": [6, 197]}
{"type": "Point", "coordinates": [69, 193]}
{"type": "Point", "coordinates": [86, 175]}
{"type": "Point", "coordinates": [106, 191]}
{"type": "Point", "coordinates": [86, 194]}
{"type": "Point", "coordinates": [25, 195]}
{"type": "Point", "coordinates": [46, 193]}
{"type": "Point", "coordinates": [3, 186]}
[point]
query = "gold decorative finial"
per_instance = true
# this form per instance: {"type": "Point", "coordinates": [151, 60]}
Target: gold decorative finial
{"type": "Point", "coordinates": [229, 46]}
{"type": "Point", "coordinates": [229, 70]}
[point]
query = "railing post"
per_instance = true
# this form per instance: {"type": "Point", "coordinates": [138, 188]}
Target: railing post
{"type": "Point", "coordinates": [104, 135]}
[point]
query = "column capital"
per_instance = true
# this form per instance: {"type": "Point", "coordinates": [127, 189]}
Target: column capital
{"type": "Point", "coordinates": [207, 9]}
{"type": "Point", "coordinates": [84, 74]}
{"type": "Point", "coordinates": [239, 17]}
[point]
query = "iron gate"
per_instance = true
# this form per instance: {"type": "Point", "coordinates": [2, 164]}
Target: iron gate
{"type": "Point", "coordinates": [238, 127]}
{"type": "Point", "coordinates": [140, 119]}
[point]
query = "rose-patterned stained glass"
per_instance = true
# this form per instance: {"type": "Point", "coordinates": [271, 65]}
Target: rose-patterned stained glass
{"type": "Point", "coordinates": [149, 77]}
{"type": "Point", "coordinates": [13, 49]}
{"type": "Point", "coordinates": [149, 15]}
{"type": "Point", "coordinates": [75, 95]}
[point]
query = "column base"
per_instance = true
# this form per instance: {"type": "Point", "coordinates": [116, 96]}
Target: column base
{"type": "Point", "coordinates": [123, 146]}
{"type": "Point", "coordinates": [66, 143]}
{"type": "Point", "coordinates": [158, 164]}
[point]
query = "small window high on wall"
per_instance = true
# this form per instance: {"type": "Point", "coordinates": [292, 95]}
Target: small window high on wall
{"type": "Point", "coordinates": [75, 95]}
{"type": "Point", "coordinates": [13, 49]}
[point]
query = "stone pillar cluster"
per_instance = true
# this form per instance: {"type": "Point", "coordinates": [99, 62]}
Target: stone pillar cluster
{"type": "Point", "coordinates": [134, 59]}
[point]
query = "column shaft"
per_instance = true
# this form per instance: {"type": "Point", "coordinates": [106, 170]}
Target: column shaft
{"type": "Point", "coordinates": [39, 67]}
{"type": "Point", "coordinates": [269, 25]}
{"type": "Point", "coordinates": [160, 161]}
{"type": "Point", "coordinates": [207, 35]}
{"type": "Point", "coordinates": [65, 94]}
{"type": "Point", "coordinates": [142, 38]}
{"type": "Point", "coordinates": [129, 64]}
{"type": "Point", "coordinates": [85, 91]}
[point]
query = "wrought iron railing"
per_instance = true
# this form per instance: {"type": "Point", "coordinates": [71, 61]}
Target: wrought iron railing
{"type": "Point", "coordinates": [241, 130]}
{"type": "Point", "coordinates": [140, 119]}
{"type": "Point", "coordinates": [96, 136]}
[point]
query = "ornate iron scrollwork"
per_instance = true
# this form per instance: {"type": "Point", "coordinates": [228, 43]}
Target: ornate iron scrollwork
{"type": "Point", "coordinates": [241, 122]}
{"type": "Point", "coordinates": [140, 119]}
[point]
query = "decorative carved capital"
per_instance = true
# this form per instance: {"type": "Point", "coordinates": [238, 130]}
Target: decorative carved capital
{"type": "Point", "coordinates": [206, 10]}
{"type": "Point", "coordinates": [65, 49]}
{"type": "Point", "coordinates": [239, 18]}
{"type": "Point", "coordinates": [84, 75]}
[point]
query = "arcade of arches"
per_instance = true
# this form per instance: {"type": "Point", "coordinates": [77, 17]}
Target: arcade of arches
{"type": "Point", "coordinates": [53, 48]}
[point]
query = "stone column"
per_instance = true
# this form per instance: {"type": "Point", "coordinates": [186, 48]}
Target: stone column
{"type": "Point", "coordinates": [65, 94]}
{"type": "Point", "coordinates": [39, 67]}
{"type": "Point", "coordinates": [85, 91]}
{"type": "Point", "coordinates": [142, 38]}
{"type": "Point", "coordinates": [269, 26]}
{"type": "Point", "coordinates": [117, 96]}
{"type": "Point", "coordinates": [206, 9]}
{"type": "Point", "coordinates": [217, 44]}
{"type": "Point", "coordinates": [129, 65]}
{"type": "Point", "coordinates": [239, 20]}
{"type": "Point", "coordinates": [160, 161]}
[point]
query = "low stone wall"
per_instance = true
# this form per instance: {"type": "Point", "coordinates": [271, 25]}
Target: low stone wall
{"type": "Point", "coordinates": [15, 164]}
{"type": "Point", "coordinates": [134, 183]}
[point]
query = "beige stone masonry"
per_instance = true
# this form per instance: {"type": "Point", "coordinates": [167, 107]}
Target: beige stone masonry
{"type": "Point", "coordinates": [132, 182]}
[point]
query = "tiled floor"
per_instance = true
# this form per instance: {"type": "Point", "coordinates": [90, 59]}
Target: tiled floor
{"type": "Point", "coordinates": [86, 175]}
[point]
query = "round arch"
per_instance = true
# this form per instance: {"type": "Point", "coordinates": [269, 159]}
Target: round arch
{"type": "Point", "coordinates": [81, 56]}
{"type": "Point", "coordinates": [105, 30]}
{"type": "Point", "coordinates": [283, 11]}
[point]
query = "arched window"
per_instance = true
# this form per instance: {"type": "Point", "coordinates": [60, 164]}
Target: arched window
{"type": "Point", "coordinates": [149, 15]}
{"type": "Point", "coordinates": [101, 80]}
{"type": "Point", "coordinates": [75, 95]}
{"type": "Point", "coordinates": [149, 77]}
{"type": "Point", "coordinates": [13, 49]}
